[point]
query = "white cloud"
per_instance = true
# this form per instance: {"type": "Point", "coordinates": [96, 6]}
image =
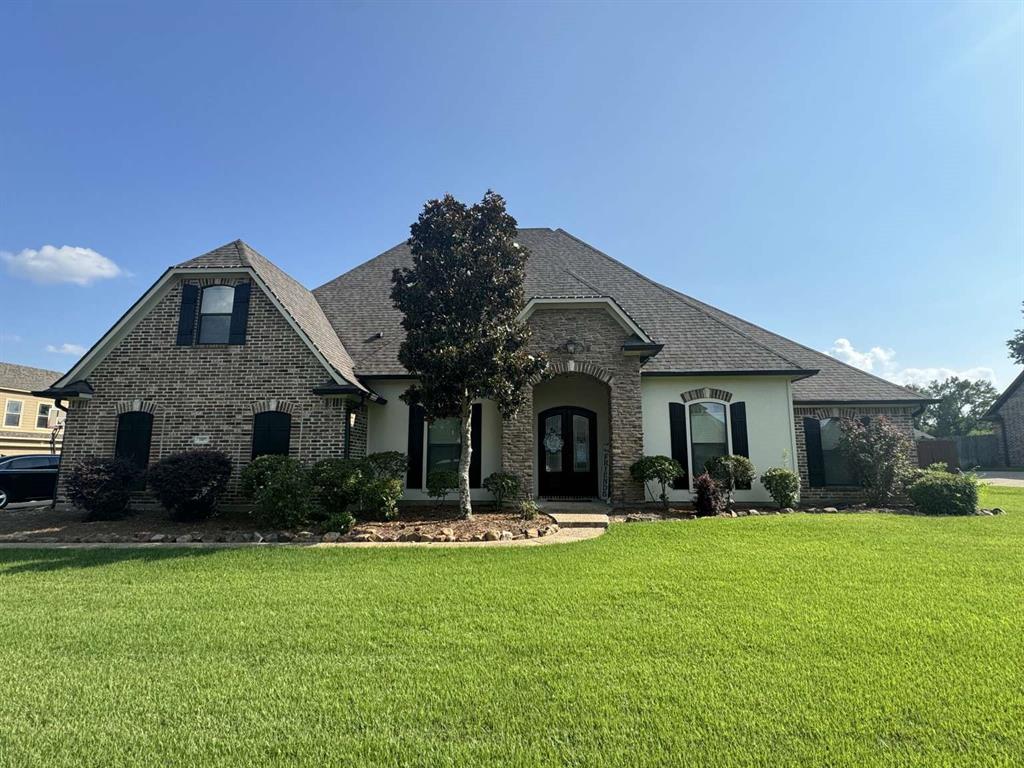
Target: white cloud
{"type": "Point", "coordinates": [66, 349]}
{"type": "Point", "coordinates": [67, 264]}
{"type": "Point", "coordinates": [881, 361]}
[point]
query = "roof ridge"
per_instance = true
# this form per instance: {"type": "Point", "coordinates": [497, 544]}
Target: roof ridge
{"type": "Point", "coordinates": [360, 265]}
{"type": "Point", "coordinates": [692, 303]}
{"type": "Point", "coordinates": [998, 402]}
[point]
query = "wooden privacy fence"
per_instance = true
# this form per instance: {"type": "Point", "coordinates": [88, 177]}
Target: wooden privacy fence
{"type": "Point", "coordinates": [963, 452]}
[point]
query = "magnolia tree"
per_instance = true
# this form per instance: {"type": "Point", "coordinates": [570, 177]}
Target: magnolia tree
{"type": "Point", "coordinates": [461, 299]}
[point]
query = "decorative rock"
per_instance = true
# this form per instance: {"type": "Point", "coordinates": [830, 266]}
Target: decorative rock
{"type": "Point", "coordinates": [830, 510]}
{"type": "Point", "coordinates": [998, 511]}
{"type": "Point", "coordinates": [491, 536]}
{"type": "Point", "coordinates": [272, 538]}
{"type": "Point", "coordinates": [532, 533]}
{"type": "Point", "coordinates": [787, 510]}
{"type": "Point", "coordinates": [366, 537]}
{"type": "Point", "coordinates": [753, 512]}
{"type": "Point", "coordinates": [183, 539]}
{"type": "Point", "coordinates": [156, 538]}
{"type": "Point", "coordinates": [331, 536]}
{"type": "Point", "coordinates": [448, 533]}
{"type": "Point", "coordinates": [506, 535]}
{"type": "Point", "coordinates": [519, 536]}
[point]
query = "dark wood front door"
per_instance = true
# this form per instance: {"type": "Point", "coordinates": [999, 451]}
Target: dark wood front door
{"type": "Point", "coordinates": [567, 452]}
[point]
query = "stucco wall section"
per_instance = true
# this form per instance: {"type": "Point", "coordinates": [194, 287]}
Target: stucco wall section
{"type": "Point", "coordinates": [769, 421]}
{"type": "Point", "coordinates": [389, 431]}
{"type": "Point", "coordinates": [209, 391]}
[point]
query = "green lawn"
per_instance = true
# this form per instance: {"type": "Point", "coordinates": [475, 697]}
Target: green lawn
{"type": "Point", "coordinates": [791, 640]}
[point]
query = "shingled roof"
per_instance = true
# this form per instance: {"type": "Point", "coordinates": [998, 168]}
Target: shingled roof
{"type": "Point", "coordinates": [25, 378]}
{"type": "Point", "coordinates": [296, 299]}
{"type": "Point", "coordinates": [697, 337]}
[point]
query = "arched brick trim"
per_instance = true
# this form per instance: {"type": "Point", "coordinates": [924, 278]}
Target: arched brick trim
{"type": "Point", "coordinates": [707, 393]}
{"type": "Point", "coordinates": [261, 406]}
{"type": "Point", "coordinates": [204, 282]}
{"type": "Point", "coordinates": [574, 366]}
{"type": "Point", "coordinates": [127, 406]}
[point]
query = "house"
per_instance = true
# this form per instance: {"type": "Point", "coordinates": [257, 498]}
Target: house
{"type": "Point", "coordinates": [227, 351]}
{"type": "Point", "coordinates": [1007, 412]}
{"type": "Point", "coordinates": [30, 424]}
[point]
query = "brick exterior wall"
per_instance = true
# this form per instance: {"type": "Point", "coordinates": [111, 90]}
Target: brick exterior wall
{"type": "Point", "coordinates": [211, 390]}
{"type": "Point", "coordinates": [1010, 429]}
{"type": "Point", "coordinates": [599, 338]}
{"type": "Point", "coordinates": [899, 416]}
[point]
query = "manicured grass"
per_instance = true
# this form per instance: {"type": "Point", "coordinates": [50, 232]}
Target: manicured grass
{"type": "Point", "coordinates": [793, 640]}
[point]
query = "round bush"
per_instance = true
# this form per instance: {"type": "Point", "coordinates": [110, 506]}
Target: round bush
{"type": "Point", "coordinates": [943, 493]}
{"type": "Point", "coordinates": [189, 484]}
{"type": "Point", "coordinates": [441, 483]}
{"type": "Point", "coordinates": [782, 485]}
{"type": "Point", "coordinates": [378, 499]}
{"type": "Point", "coordinates": [336, 484]}
{"type": "Point", "coordinates": [502, 486]}
{"type": "Point", "coordinates": [386, 464]}
{"type": "Point", "coordinates": [103, 487]}
{"type": "Point", "coordinates": [281, 491]}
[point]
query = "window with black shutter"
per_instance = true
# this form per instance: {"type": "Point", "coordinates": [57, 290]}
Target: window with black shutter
{"type": "Point", "coordinates": [215, 310]}
{"type": "Point", "coordinates": [680, 443]}
{"type": "Point", "coordinates": [271, 433]}
{"type": "Point", "coordinates": [134, 436]}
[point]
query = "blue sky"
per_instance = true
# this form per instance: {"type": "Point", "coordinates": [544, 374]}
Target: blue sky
{"type": "Point", "coordinates": [832, 172]}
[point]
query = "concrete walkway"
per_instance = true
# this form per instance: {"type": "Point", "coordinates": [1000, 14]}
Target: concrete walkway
{"type": "Point", "coordinates": [1003, 477]}
{"type": "Point", "coordinates": [572, 515]}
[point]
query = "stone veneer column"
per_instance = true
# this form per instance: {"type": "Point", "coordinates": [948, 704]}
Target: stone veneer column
{"type": "Point", "coordinates": [517, 445]}
{"type": "Point", "coordinates": [626, 433]}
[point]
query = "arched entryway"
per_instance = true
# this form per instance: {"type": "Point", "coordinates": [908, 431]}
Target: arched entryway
{"type": "Point", "coordinates": [567, 458]}
{"type": "Point", "coordinates": [571, 437]}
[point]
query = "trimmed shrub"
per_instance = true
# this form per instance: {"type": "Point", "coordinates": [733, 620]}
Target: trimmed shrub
{"type": "Point", "coordinates": [782, 485]}
{"type": "Point", "coordinates": [879, 454]}
{"type": "Point", "coordinates": [662, 470]}
{"type": "Point", "coordinates": [341, 522]}
{"type": "Point", "coordinates": [528, 509]}
{"type": "Point", "coordinates": [943, 493]}
{"type": "Point", "coordinates": [708, 495]}
{"type": "Point", "coordinates": [281, 491]}
{"type": "Point", "coordinates": [189, 484]}
{"type": "Point", "coordinates": [103, 487]}
{"type": "Point", "coordinates": [441, 483]}
{"type": "Point", "coordinates": [378, 499]}
{"type": "Point", "coordinates": [336, 484]}
{"type": "Point", "coordinates": [386, 465]}
{"type": "Point", "coordinates": [730, 472]}
{"type": "Point", "coordinates": [502, 486]}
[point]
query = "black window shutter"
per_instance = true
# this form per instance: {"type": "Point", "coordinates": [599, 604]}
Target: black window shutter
{"type": "Point", "coordinates": [414, 477]}
{"type": "Point", "coordinates": [134, 436]}
{"type": "Point", "coordinates": [475, 426]}
{"type": "Point", "coordinates": [680, 442]}
{"type": "Point", "coordinates": [271, 433]}
{"type": "Point", "coordinates": [738, 421]}
{"type": "Point", "coordinates": [187, 315]}
{"type": "Point", "coordinates": [815, 459]}
{"type": "Point", "coordinates": [239, 314]}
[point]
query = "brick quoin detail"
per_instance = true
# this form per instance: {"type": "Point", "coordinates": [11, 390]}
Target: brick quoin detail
{"type": "Point", "coordinates": [601, 358]}
{"type": "Point", "coordinates": [211, 390]}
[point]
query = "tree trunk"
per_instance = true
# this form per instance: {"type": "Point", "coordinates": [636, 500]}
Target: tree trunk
{"type": "Point", "coordinates": [465, 504]}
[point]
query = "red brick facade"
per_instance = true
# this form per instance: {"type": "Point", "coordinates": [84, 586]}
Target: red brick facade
{"type": "Point", "coordinates": [209, 394]}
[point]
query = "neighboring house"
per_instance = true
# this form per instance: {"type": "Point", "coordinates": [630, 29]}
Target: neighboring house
{"type": "Point", "coordinates": [1008, 414]}
{"type": "Point", "coordinates": [227, 351]}
{"type": "Point", "coordinates": [28, 424]}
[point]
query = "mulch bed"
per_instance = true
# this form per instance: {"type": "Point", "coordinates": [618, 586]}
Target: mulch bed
{"type": "Point", "coordinates": [43, 524]}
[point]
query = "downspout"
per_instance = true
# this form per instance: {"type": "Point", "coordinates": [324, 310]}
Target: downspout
{"type": "Point", "coordinates": [53, 445]}
{"type": "Point", "coordinates": [793, 463]}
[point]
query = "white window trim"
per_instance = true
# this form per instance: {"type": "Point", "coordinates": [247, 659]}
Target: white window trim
{"type": "Point", "coordinates": [49, 409]}
{"type": "Point", "coordinates": [21, 412]}
{"type": "Point", "coordinates": [689, 433]}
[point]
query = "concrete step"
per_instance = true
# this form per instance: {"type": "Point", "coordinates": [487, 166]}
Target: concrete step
{"type": "Point", "coordinates": [578, 519]}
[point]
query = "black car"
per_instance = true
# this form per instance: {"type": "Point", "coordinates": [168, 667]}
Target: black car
{"type": "Point", "coordinates": [28, 478]}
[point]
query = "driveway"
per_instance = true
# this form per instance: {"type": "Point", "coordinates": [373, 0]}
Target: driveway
{"type": "Point", "coordinates": [1003, 477]}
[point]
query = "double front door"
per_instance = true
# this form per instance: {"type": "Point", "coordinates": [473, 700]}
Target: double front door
{"type": "Point", "coordinates": [567, 452]}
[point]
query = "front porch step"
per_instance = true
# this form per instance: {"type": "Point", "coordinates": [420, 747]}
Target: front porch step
{"type": "Point", "coordinates": [578, 519]}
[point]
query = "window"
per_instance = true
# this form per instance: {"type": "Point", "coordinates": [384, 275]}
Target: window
{"type": "Point", "coordinates": [12, 415]}
{"type": "Point", "coordinates": [43, 416]}
{"type": "Point", "coordinates": [134, 435]}
{"type": "Point", "coordinates": [709, 435]}
{"type": "Point", "coordinates": [215, 314]}
{"type": "Point", "coordinates": [271, 433]}
{"type": "Point", "coordinates": [837, 468]}
{"type": "Point", "coordinates": [444, 444]}
{"type": "Point", "coordinates": [32, 462]}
